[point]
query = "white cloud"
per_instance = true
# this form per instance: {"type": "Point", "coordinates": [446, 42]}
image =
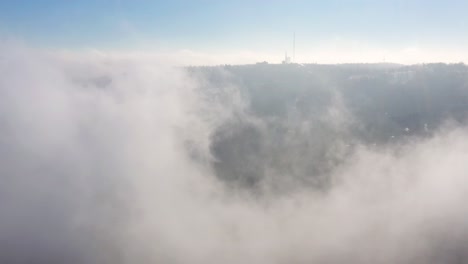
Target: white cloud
{"type": "Point", "coordinates": [95, 170]}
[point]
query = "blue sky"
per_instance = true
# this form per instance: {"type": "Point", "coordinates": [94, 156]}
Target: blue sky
{"type": "Point", "coordinates": [224, 26]}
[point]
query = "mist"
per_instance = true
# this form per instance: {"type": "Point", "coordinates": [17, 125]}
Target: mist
{"type": "Point", "coordinates": [127, 159]}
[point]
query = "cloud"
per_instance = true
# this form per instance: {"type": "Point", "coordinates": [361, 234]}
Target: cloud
{"type": "Point", "coordinates": [108, 159]}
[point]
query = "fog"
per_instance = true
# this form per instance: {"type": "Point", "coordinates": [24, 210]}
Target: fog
{"type": "Point", "coordinates": [126, 159]}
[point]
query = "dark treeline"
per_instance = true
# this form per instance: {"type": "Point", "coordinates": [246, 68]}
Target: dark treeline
{"type": "Point", "coordinates": [301, 120]}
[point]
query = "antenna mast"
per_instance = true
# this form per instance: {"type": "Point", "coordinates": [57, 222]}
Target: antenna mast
{"type": "Point", "coordinates": [294, 47]}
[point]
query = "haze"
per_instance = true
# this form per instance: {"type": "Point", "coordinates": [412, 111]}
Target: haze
{"type": "Point", "coordinates": [171, 132]}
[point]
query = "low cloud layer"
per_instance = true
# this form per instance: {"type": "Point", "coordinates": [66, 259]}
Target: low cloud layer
{"type": "Point", "coordinates": [109, 159]}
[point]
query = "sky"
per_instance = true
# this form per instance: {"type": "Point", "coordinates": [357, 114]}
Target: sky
{"type": "Point", "coordinates": [353, 30]}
